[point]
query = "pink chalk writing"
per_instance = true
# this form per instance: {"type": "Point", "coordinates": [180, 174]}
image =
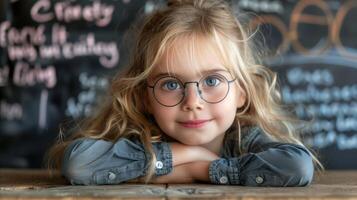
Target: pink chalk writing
{"type": "Point", "coordinates": [107, 51]}
{"type": "Point", "coordinates": [59, 34]}
{"type": "Point", "coordinates": [26, 35]}
{"type": "Point", "coordinates": [26, 52]}
{"type": "Point", "coordinates": [66, 11]}
{"type": "Point", "coordinates": [26, 76]}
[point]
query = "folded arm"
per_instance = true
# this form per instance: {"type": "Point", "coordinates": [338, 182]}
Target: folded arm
{"type": "Point", "coordinates": [89, 161]}
{"type": "Point", "coordinates": [268, 163]}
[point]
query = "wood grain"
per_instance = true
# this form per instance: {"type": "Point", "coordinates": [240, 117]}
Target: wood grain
{"type": "Point", "coordinates": [40, 184]}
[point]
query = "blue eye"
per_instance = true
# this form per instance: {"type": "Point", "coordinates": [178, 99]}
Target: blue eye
{"type": "Point", "coordinates": [171, 85]}
{"type": "Point", "coordinates": [212, 81]}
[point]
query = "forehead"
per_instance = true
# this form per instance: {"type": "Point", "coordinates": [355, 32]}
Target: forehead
{"type": "Point", "coordinates": [189, 56]}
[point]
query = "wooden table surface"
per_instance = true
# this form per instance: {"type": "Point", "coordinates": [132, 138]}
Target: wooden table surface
{"type": "Point", "coordinates": [37, 184]}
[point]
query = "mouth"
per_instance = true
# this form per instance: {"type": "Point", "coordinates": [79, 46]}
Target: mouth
{"type": "Point", "coordinates": [194, 123]}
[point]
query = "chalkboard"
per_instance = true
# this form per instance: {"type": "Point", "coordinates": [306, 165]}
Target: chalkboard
{"type": "Point", "coordinates": [313, 47]}
{"type": "Point", "coordinates": [57, 57]}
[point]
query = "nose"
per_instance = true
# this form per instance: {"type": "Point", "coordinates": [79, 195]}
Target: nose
{"type": "Point", "coordinates": [192, 99]}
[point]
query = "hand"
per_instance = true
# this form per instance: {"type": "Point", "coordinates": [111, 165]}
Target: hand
{"type": "Point", "coordinates": [180, 174]}
{"type": "Point", "coordinates": [186, 173]}
{"type": "Point", "coordinates": [182, 153]}
{"type": "Point", "coordinates": [190, 163]}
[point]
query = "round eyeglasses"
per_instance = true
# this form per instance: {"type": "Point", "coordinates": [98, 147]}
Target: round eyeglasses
{"type": "Point", "coordinates": [169, 91]}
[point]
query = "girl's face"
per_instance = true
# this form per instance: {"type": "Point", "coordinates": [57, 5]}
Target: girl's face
{"type": "Point", "coordinates": [193, 121]}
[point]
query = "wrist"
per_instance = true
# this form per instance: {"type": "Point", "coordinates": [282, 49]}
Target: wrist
{"type": "Point", "coordinates": [182, 153]}
{"type": "Point", "coordinates": [203, 154]}
{"type": "Point", "coordinates": [200, 170]}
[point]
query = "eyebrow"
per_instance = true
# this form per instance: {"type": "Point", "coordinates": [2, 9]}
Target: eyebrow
{"type": "Point", "coordinates": [179, 76]}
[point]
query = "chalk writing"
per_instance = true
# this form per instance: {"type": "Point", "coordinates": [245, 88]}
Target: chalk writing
{"type": "Point", "coordinates": [323, 139]}
{"type": "Point", "coordinates": [26, 76]}
{"type": "Point", "coordinates": [107, 51]}
{"type": "Point", "coordinates": [329, 110]}
{"type": "Point", "coordinates": [97, 12]}
{"type": "Point", "coordinates": [312, 93]}
{"type": "Point", "coordinates": [332, 107]}
{"type": "Point", "coordinates": [59, 34]}
{"type": "Point", "coordinates": [42, 121]}
{"type": "Point", "coordinates": [262, 6]}
{"type": "Point", "coordinates": [297, 76]}
{"type": "Point", "coordinates": [21, 45]}
{"type": "Point", "coordinates": [26, 35]}
{"type": "Point", "coordinates": [330, 27]}
{"type": "Point", "coordinates": [10, 111]}
{"type": "Point", "coordinates": [92, 81]}
{"type": "Point", "coordinates": [56, 58]}
{"type": "Point", "coordinates": [26, 52]}
{"type": "Point", "coordinates": [82, 107]}
{"type": "Point", "coordinates": [83, 104]}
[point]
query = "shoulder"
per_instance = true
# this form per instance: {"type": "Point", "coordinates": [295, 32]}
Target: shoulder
{"type": "Point", "coordinates": [251, 137]}
{"type": "Point", "coordinates": [232, 140]}
{"type": "Point", "coordinates": [249, 133]}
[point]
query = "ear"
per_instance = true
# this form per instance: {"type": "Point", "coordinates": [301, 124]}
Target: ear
{"type": "Point", "coordinates": [241, 97]}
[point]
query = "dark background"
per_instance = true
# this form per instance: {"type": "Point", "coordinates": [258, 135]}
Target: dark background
{"type": "Point", "coordinates": [57, 58]}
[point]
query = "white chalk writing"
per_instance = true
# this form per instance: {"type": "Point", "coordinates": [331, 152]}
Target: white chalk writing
{"type": "Point", "coordinates": [10, 111]}
{"type": "Point", "coordinates": [83, 104]}
{"type": "Point", "coordinates": [333, 108]}
{"type": "Point", "coordinates": [316, 77]}
{"type": "Point", "coordinates": [262, 6]}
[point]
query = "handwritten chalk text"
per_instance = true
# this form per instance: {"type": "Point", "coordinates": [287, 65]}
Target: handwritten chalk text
{"type": "Point", "coordinates": [97, 12]}
{"type": "Point", "coordinates": [26, 76]}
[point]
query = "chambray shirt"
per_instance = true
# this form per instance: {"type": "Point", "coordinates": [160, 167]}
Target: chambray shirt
{"type": "Point", "coordinates": [267, 163]}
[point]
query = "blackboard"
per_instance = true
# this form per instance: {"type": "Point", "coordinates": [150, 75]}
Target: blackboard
{"type": "Point", "coordinates": [313, 47]}
{"type": "Point", "coordinates": [57, 57]}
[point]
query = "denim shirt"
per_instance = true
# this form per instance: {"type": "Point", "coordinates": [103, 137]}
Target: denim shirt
{"type": "Point", "coordinates": [266, 163]}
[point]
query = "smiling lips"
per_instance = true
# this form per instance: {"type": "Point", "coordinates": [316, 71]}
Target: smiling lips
{"type": "Point", "coordinates": [194, 123]}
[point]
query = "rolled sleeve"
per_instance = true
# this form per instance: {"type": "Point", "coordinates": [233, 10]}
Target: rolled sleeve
{"type": "Point", "coordinates": [265, 163]}
{"type": "Point", "coordinates": [163, 154]}
{"type": "Point", "coordinates": [283, 165]}
{"type": "Point", "coordinates": [224, 171]}
{"type": "Point", "coordinates": [90, 162]}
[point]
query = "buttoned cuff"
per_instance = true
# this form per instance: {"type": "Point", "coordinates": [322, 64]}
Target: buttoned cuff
{"type": "Point", "coordinates": [224, 171]}
{"type": "Point", "coordinates": [163, 154]}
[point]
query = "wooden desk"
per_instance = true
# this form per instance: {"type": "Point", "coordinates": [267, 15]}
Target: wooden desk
{"type": "Point", "coordinates": [36, 184]}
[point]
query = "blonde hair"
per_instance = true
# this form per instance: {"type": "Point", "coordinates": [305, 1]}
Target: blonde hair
{"type": "Point", "coordinates": [124, 113]}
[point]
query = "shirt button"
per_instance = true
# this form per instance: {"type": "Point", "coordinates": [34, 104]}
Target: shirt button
{"type": "Point", "coordinates": [111, 176]}
{"type": "Point", "coordinates": [223, 180]}
{"type": "Point", "coordinates": [159, 165]}
{"type": "Point", "coordinates": [259, 179]}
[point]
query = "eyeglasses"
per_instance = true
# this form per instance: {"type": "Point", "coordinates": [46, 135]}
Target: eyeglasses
{"type": "Point", "coordinates": [169, 91]}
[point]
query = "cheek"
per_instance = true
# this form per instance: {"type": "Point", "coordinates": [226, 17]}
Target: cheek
{"type": "Point", "coordinates": [225, 113]}
{"type": "Point", "coordinates": [163, 115]}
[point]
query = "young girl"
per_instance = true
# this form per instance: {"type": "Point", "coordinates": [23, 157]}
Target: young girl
{"type": "Point", "coordinates": [192, 106]}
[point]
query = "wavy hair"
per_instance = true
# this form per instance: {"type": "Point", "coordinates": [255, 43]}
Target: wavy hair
{"type": "Point", "coordinates": [124, 113]}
